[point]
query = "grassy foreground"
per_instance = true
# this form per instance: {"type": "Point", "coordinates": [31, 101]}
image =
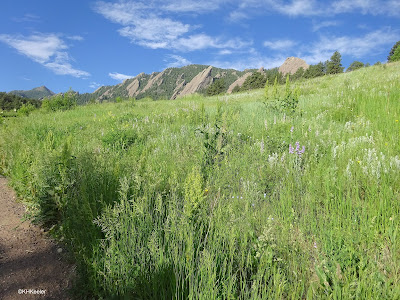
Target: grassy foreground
{"type": "Point", "coordinates": [223, 197]}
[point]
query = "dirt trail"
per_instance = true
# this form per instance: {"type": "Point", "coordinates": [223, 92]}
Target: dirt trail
{"type": "Point", "coordinates": [29, 261]}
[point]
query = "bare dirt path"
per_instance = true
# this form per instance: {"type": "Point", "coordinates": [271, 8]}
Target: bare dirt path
{"type": "Point", "coordinates": [30, 265]}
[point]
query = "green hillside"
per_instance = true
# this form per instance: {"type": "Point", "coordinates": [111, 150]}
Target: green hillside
{"type": "Point", "coordinates": [165, 87]}
{"type": "Point", "coordinates": [287, 193]}
{"type": "Point", "coordinates": [36, 93]}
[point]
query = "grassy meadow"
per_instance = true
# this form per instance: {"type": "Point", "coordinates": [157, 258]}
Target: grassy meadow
{"type": "Point", "coordinates": [223, 197]}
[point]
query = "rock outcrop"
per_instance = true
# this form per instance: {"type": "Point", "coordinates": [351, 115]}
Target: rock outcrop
{"type": "Point", "coordinates": [292, 64]}
{"type": "Point", "coordinates": [155, 79]}
{"type": "Point", "coordinates": [199, 82]}
{"type": "Point", "coordinates": [238, 82]}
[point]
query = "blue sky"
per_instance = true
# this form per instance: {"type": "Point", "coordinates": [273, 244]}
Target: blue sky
{"type": "Point", "coordinates": [85, 44]}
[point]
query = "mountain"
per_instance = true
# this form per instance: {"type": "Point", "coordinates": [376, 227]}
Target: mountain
{"type": "Point", "coordinates": [36, 93]}
{"type": "Point", "coordinates": [292, 64]}
{"type": "Point", "coordinates": [171, 83]}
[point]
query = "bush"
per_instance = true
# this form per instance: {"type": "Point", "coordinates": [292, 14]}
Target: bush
{"type": "Point", "coordinates": [26, 109]}
{"type": "Point", "coordinates": [60, 102]}
{"type": "Point", "coordinates": [355, 65]}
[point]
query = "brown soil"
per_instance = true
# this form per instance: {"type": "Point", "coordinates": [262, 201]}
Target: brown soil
{"type": "Point", "coordinates": [29, 261]}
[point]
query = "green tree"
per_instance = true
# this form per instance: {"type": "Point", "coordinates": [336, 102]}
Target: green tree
{"type": "Point", "coordinates": [334, 65]}
{"type": "Point", "coordinates": [254, 81]}
{"type": "Point", "coordinates": [216, 88]}
{"type": "Point", "coordinates": [355, 65]}
{"type": "Point", "coordinates": [392, 51]}
{"type": "Point", "coordinates": [315, 71]}
{"type": "Point", "coordinates": [396, 55]}
{"type": "Point", "coordinates": [298, 74]}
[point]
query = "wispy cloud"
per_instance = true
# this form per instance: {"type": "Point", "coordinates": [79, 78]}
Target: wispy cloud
{"type": "Point", "coordinates": [314, 8]}
{"type": "Point", "coordinates": [176, 61]}
{"type": "Point", "coordinates": [370, 44]}
{"type": "Point", "coordinates": [75, 38]}
{"type": "Point", "coordinates": [27, 18]}
{"type": "Point", "coordinates": [119, 76]}
{"type": "Point", "coordinates": [319, 25]}
{"type": "Point", "coordinates": [253, 60]}
{"type": "Point", "coordinates": [94, 85]}
{"type": "Point", "coordinates": [192, 6]}
{"type": "Point", "coordinates": [147, 24]}
{"type": "Point", "coordinates": [373, 7]}
{"type": "Point", "coordinates": [280, 45]}
{"type": "Point", "coordinates": [48, 50]}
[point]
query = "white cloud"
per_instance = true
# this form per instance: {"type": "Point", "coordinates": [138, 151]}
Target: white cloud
{"type": "Point", "coordinates": [319, 25]}
{"type": "Point", "coordinates": [75, 38]}
{"type": "Point", "coordinates": [373, 7]}
{"type": "Point", "coordinates": [310, 8]}
{"type": "Point", "coordinates": [296, 7]}
{"type": "Point", "coordinates": [46, 49]}
{"type": "Point", "coordinates": [280, 45]}
{"type": "Point", "coordinates": [94, 85]}
{"type": "Point", "coordinates": [253, 61]}
{"type": "Point", "coordinates": [225, 52]}
{"type": "Point", "coordinates": [146, 25]}
{"type": "Point", "coordinates": [191, 6]}
{"type": "Point", "coordinates": [119, 76]}
{"type": "Point", "coordinates": [357, 47]}
{"type": "Point", "coordinates": [27, 18]}
{"type": "Point", "coordinates": [178, 61]}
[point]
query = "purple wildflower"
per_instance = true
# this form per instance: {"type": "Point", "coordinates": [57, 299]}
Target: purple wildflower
{"type": "Point", "coordinates": [291, 149]}
{"type": "Point", "coordinates": [291, 129]}
{"type": "Point", "coordinates": [297, 150]}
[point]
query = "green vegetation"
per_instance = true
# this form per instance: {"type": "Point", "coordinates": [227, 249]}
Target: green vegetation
{"type": "Point", "coordinates": [216, 88]}
{"type": "Point", "coordinates": [36, 93]}
{"type": "Point", "coordinates": [355, 65]}
{"type": "Point", "coordinates": [10, 102]}
{"type": "Point", "coordinates": [315, 71]}
{"type": "Point", "coordinates": [60, 102]}
{"type": "Point", "coordinates": [392, 57]}
{"type": "Point", "coordinates": [334, 65]}
{"type": "Point", "coordinates": [396, 55]}
{"type": "Point", "coordinates": [223, 197]}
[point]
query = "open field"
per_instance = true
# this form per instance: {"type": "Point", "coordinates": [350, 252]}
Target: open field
{"type": "Point", "coordinates": [222, 197]}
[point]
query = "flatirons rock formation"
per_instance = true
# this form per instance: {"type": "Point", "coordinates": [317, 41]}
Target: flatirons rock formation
{"type": "Point", "coordinates": [292, 64]}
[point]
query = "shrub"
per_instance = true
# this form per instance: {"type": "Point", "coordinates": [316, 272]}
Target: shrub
{"type": "Point", "coordinates": [26, 109]}
{"type": "Point", "coordinates": [355, 65]}
{"type": "Point", "coordinates": [60, 102]}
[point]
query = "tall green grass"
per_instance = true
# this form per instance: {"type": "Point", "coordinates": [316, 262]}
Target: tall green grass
{"type": "Point", "coordinates": [202, 198]}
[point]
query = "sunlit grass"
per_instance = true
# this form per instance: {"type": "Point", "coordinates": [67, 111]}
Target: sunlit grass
{"type": "Point", "coordinates": [210, 198]}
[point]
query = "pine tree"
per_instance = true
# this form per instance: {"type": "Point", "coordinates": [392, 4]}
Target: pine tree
{"type": "Point", "coordinates": [334, 66]}
{"type": "Point", "coordinates": [392, 51]}
{"type": "Point", "coordinates": [396, 54]}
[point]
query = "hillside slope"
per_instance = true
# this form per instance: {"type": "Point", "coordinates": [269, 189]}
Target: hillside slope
{"type": "Point", "coordinates": [36, 93]}
{"type": "Point", "coordinates": [171, 83]}
{"type": "Point", "coordinates": [224, 197]}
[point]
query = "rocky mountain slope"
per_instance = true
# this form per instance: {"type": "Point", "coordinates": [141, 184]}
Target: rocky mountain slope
{"type": "Point", "coordinates": [292, 64]}
{"type": "Point", "coordinates": [171, 83]}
